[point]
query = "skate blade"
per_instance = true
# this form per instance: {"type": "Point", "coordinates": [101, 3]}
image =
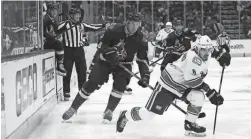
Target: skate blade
{"type": "Point", "coordinates": [194, 134]}
{"type": "Point", "coordinates": [60, 73]}
{"type": "Point", "coordinates": [105, 121]}
{"type": "Point", "coordinates": [127, 93]}
{"type": "Point", "coordinates": [67, 121]}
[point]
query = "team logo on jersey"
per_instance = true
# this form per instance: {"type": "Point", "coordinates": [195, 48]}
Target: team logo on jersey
{"type": "Point", "coordinates": [197, 61]}
{"type": "Point", "coordinates": [194, 71]}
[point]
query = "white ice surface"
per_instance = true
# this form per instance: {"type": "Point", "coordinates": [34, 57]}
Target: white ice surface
{"type": "Point", "coordinates": [233, 121]}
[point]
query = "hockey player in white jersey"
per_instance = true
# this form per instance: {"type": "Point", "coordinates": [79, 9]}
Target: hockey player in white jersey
{"type": "Point", "coordinates": [184, 80]}
{"type": "Point", "coordinates": [161, 41]}
{"type": "Point", "coordinates": [161, 38]}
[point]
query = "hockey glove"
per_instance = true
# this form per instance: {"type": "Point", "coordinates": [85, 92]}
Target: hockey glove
{"type": "Point", "coordinates": [110, 55]}
{"type": "Point", "coordinates": [144, 81]}
{"type": "Point", "coordinates": [214, 97]}
{"type": "Point", "coordinates": [224, 58]}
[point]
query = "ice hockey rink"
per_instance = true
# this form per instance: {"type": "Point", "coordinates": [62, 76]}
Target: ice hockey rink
{"type": "Point", "coordinates": [233, 121]}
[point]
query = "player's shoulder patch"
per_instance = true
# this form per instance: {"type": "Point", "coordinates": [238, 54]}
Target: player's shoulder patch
{"type": "Point", "coordinates": [197, 61]}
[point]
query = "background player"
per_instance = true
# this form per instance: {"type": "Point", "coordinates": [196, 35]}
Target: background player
{"type": "Point", "coordinates": [119, 45]}
{"type": "Point", "coordinates": [161, 38]}
{"type": "Point", "coordinates": [187, 72]}
{"type": "Point", "coordinates": [180, 39]}
{"type": "Point", "coordinates": [52, 38]}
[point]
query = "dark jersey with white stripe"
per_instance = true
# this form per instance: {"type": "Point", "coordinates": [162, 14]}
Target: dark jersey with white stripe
{"type": "Point", "coordinates": [134, 44]}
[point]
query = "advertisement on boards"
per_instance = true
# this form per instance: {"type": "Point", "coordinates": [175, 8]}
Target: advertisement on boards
{"type": "Point", "coordinates": [26, 87]}
{"type": "Point", "coordinates": [28, 80]}
{"type": "Point", "coordinates": [48, 75]}
{"type": "Point", "coordinates": [3, 124]}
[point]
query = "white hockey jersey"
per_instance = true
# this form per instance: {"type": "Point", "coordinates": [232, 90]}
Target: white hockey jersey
{"type": "Point", "coordinates": [187, 72]}
{"type": "Point", "coordinates": [163, 34]}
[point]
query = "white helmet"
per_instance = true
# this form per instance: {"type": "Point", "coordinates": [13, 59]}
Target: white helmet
{"type": "Point", "coordinates": [204, 42]}
{"type": "Point", "coordinates": [169, 24]}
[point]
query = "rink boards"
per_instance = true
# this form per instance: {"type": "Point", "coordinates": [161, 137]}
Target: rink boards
{"type": "Point", "coordinates": [28, 92]}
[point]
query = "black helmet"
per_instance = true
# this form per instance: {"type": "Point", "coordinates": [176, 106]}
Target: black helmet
{"type": "Point", "coordinates": [133, 16]}
{"type": "Point", "coordinates": [74, 11]}
{"type": "Point", "coordinates": [52, 5]}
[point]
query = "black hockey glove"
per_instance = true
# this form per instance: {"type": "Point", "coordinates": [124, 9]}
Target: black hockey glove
{"type": "Point", "coordinates": [162, 68]}
{"type": "Point", "coordinates": [224, 58]}
{"type": "Point", "coordinates": [144, 81]}
{"type": "Point", "coordinates": [214, 97]}
{"type": "Point", "coordinates": [84, 41]}
{"type": "Point", "coordinates": [110, 55]}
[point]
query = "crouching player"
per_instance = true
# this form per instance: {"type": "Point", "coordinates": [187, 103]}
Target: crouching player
{"type": "Point", "coordinates": [187, 73]}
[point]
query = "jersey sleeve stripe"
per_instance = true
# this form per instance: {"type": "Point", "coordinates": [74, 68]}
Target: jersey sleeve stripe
{"type": "Point", "coordinates": [195, 82]}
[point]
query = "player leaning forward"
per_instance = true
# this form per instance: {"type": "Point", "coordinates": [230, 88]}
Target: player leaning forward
{"type": "Point", "coordinates": [119, 45]}
{"type": "Point", "coordinates": [187, 72]}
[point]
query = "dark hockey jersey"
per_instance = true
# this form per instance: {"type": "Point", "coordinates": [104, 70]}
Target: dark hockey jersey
{"type": "Point", "coordinates": [134, 44]}
{"type": "Point", "coordinates": [50, 27]}
{"type": "Point", "coordinates": [180, 42]}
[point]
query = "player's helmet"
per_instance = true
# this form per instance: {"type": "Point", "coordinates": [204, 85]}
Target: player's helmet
{"type": "Point", "coordinates": [74, 11]}
{"type": "Point", "coordinates": [203, 42]}
{"type": "Point", "coordinates": [52, 6]}
{"type": "Point", "coordinates": [169, 24]}
{"type": "Point", "coordinates": [133, 16]}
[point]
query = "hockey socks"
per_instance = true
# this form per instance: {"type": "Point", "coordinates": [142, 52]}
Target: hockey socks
{"type": "Point", "coordinates": [133, 114]}
{"type": "Point", "coordinates": [113, 100]}
{"type": "Point", "coordinates": [193, 113]}
{"type": "Point", "coordinates": [80, 98]}
{"type": "Point", "coordinates": [138, 113]}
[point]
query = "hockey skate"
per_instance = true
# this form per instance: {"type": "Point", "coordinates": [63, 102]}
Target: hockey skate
{"type": "Point", "coordinates": [61, 70]}
{"type": "Point", "coordinates": [66, 98]}
{"type": "Point", "coordinates": [194, 130]}
{"type": "Point", "coordinates": [128, 91]}
{"type": "Point", "coordinates": [69, 113]}
{"type": "Point", "coordinates": [121, 123]}
{"type": "Point", "coordinates": [107, 116]}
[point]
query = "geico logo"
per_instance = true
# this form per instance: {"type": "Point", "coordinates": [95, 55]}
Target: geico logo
{"type": "Point", "coordinates": [236, 46]}
{"type": "Point", "coordinates": [26, 88]}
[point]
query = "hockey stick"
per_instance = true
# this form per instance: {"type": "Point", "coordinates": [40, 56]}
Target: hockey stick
{"type": "Point", "coordinates": [153, 63]}
{"type": "Point", "coordinates": [215, 118]}
{"type": "Point", "coordinates": [201, 115]}
{"type": "Point", "coordinates": [167, 52]}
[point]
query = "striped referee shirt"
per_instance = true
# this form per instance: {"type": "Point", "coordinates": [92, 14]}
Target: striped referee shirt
{"type": "Point", "coordinates": [222, 40]}
{"type": "Point", "coordinates": [72, 33]}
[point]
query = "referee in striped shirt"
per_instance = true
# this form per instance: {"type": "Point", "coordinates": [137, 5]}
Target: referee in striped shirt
{"type": "Point", "coordinates": [223, 41]}
{"type": "Point", "coordinates": [73, 40]}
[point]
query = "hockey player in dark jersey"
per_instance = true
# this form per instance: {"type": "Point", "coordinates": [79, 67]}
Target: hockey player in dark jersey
{"type": "Point", "coordinates": [52, 38]}
{"type": "Point", "coordinates": [180, 39]}
{"type": "Point", "coordinates": [119, 46]}
{"type": "Point", "coordinates": [128, 90]}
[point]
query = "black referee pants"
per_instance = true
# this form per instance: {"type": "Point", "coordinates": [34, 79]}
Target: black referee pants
{"type": "Point", "coordinates": [77, 56]}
